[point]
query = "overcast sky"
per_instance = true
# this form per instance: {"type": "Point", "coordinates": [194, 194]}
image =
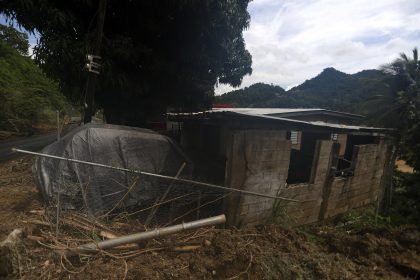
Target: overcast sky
{"type": "Point", "coordinates": [294, 40]}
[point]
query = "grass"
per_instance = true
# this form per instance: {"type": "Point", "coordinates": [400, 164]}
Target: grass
{"type": "Point", "coordinates": [404, 208]}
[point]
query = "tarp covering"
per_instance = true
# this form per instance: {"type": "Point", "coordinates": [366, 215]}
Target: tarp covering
{"type": "Point", "coordinates": [97, 189]}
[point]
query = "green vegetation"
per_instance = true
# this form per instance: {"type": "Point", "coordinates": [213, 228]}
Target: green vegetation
{"type": "Point", "coordinates": [331, 89]}
{"type": "Point", "coordinates": [27, 96]}
{"type": "Point", "coordinates": [258, 95]}
{"type": "Point", "coordinates": [154, 54]}
{"type": "Point", "coordinates": [405, 208]}
{"type": "Point", "coordinates": [12, 37]}
{"type": "Point", "coordinates": [403, 106]}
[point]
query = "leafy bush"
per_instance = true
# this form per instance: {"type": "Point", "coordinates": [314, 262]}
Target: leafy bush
{"type": "Point", "coordinates": [405, 208]}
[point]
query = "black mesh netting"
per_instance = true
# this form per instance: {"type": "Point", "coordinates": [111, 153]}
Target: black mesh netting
{"type": "Point", "coordinates": [100, 191]}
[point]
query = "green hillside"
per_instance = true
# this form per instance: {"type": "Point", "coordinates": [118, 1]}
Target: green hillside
{"type": "Point", "coordinates": [331, 89]}
{"type": "Point", "coordinates": [27, 96]}
{"type": "Point", "coordinates": [257, 95]}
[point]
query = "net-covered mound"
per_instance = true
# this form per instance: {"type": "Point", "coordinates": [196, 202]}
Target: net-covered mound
{"type": "Point", "coordinates": [98, 190]}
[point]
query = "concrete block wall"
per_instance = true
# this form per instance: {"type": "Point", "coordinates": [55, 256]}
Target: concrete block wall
{"type": "Point", "coordinates": [365, 186]}
{"type": "Point", "coordinates": [258, 161]}
{"type": "Point", "coordinates": [310, 194]}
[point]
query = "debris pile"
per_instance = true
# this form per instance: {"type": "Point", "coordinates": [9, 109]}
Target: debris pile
{"type": "Point", "coordinates": [264, 252]}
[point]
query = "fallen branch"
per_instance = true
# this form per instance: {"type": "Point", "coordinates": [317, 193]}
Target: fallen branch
{"type": "Point", "coordinates": [38, 222]}
{"type": "Point", "coordinates": [243, 272]}
{"type": "Point", "coordinates": [167, 201]}
{"type": "Point", "coordinates": [188, 248]}
{"type": "Point", "coordinates": [160, 200]}
{"type": "Point", "coordinates": [105, 234]}
{"type": "Point", "coordinates": [124, 196]}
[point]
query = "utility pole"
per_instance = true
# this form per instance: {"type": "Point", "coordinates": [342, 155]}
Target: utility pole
{"type": "Point", "coordinates": [92, 75]}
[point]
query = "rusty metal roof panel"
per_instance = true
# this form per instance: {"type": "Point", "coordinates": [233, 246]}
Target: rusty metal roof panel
{"type": "Point", "coordinates": [253, 113]}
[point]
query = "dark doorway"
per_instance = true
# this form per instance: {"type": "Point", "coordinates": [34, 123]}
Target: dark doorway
{"type": "Point", "coordinates": [301, 161]}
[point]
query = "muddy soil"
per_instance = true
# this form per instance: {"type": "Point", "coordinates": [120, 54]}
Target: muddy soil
{"type": "Point", "coordinates": [262, 252]}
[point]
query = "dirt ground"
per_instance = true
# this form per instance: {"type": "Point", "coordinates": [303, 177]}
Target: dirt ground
{"type": "Point", "coordinates": [262, 252]}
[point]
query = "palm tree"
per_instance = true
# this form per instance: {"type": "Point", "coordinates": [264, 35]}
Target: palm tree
{"type": "Point", "coordinates": [399, 108]}
{"type": "Point", "coordinates": [405, 72]}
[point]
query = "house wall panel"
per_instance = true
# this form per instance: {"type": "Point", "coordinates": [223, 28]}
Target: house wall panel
{"type": "Point", "coordinates": [258, 161]}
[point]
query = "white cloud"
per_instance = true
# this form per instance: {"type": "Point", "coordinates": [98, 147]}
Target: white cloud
{"type": "Point", "coordinates": [293, 40]}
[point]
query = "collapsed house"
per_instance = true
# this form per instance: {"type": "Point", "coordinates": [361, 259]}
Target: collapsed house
{"type": "Point", "coordinates": [318, 157]}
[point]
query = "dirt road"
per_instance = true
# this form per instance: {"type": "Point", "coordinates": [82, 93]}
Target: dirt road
{"type": "Point", "coordinates": [33, 143]}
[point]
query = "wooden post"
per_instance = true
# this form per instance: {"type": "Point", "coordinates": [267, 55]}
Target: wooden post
{"type": "Point", "coordinates": [161, 199]}
{"type": "Point", "coordinates": [58, 124]}
{"type": "Point", "coordinates": [198, 205]}
{"type": "Point", "coordinates": [57, 225]}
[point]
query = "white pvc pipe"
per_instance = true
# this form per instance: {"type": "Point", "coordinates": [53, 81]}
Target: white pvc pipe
{"type": "Point", "coordinates": [137, 237]}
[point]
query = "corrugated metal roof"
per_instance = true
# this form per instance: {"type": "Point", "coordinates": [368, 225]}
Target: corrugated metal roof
{"type": "Point", "coordinates": [253, 113]}
{"type": "Point", "coordinates": [285, 111]}
{"type": "Point", "coordinates": [265, 111]}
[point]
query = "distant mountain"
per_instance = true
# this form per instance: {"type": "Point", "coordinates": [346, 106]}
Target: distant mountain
{"type": "Point", "coordinates": [331, 89]}
{"type": "Point", "coordinates": [329, 80]}
{"type": "Point", "coordinates": [257, 95]}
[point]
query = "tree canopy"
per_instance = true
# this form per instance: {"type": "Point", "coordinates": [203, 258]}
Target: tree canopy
{"type": "Point", "coordinates": [404, 106]}
{"type": "Point", "coordinates": [154, 53]}
{"type": "Point", "coordinates": [256, 95]}
{"type": "Point", "coordinates": [15, 39]}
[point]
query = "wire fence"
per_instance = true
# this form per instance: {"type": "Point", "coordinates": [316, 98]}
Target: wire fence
{"type": "Point", "coordinates": [151, 201]}
{"type": "Point", "coordinates": [102, 191]}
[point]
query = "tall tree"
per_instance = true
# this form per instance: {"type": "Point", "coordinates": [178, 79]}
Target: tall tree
{"type": "Point", "coordinates": [14, 38]}
{"type": "Point", "coordinates": [154, 53]}
{"type": "Point", "coordinates": [399, 107]}
{"type": "Point", "coordinates": [405, 103]}
{"type": "Point", "coordinates": [407, 71]}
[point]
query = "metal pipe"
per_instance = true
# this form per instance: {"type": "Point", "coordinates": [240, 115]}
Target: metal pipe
{"type": "Point", "coordinates": [137, 237]}
{"type": "Point", "coordinates": [191, 182]}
